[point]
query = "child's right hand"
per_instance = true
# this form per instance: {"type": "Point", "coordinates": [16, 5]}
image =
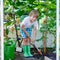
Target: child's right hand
{"type": "Point", "coordinates": [25, 31]}
{"type": "Point", "coordinates": [28, 35]}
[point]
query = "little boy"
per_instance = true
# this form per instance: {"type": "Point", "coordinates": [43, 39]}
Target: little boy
{"type": "Point", "coordinates": [26, 31]}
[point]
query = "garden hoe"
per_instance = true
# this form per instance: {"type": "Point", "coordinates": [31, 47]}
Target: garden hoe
{"type": "Point", "coordinates": [40, 54]}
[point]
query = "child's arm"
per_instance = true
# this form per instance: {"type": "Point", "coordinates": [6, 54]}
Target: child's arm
{"type": "Point", "coordinates": [25, 30]}
{"type": "Point", "coordinates": [35, 31]}
{"type": "Point", "coordinates": [34, 34]}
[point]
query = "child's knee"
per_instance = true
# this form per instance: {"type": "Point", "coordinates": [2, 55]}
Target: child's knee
{"type": "Point", "coordinates": [25, 40]}
{"type": "Point", "coordinates": [28, 39]}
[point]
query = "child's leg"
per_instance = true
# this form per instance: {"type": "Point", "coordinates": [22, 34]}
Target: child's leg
{"type": "Point", "coordinates": [24, 46]}
{"type": "Point", "coordinates": [29, 47]}
{"type": "Point", "coordinates": [28, 41]}
{"type": "Point", "coordinates": [24, 42]}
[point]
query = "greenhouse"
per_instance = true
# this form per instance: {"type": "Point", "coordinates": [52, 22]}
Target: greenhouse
{"type": "Point", "coordinates": [14, 13]}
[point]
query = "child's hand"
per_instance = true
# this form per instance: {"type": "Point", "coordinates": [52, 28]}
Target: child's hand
{"type": "Point", "coordinates": [32, 40]}
{"type": "Point", "coordinates": [28, 35]}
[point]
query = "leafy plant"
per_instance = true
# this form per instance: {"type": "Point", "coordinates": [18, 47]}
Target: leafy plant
{"type": "Point", "coordinates": [46, 8]}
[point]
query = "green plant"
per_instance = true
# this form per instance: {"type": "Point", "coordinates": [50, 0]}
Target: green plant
{"type": "Point", "coordinates": [47, 9]}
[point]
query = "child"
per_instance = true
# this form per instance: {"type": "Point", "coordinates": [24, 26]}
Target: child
{"type": "Point", "coordinates": [26, 31]}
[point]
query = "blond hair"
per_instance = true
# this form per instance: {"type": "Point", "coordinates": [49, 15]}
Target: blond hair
{"type": "Point", "coordinates": [35, 12]}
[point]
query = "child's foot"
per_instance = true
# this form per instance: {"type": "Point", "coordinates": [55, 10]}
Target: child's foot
{"type": "Point", "coordinates": [26, 55]}
{"type": "Point", "coordinates": [30, 54]}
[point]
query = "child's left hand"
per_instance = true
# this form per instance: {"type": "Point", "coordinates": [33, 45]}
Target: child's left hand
{"type": "Point", "coordinates": [32, 40]}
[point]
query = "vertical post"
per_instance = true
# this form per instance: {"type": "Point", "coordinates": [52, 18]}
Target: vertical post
{"type": "Point", "coordinates": [45, 34]}
{"type": "Point", "coordinates": [15, 20]}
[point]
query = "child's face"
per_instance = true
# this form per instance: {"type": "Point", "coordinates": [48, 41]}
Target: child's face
{"type": "Point", "coordinates": [33, 18]}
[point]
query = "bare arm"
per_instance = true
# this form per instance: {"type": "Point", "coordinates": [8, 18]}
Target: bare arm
{"type": "Point", "coordinates": [24, 30]}
{"type": "Point", "coordinates": [34, 34]}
